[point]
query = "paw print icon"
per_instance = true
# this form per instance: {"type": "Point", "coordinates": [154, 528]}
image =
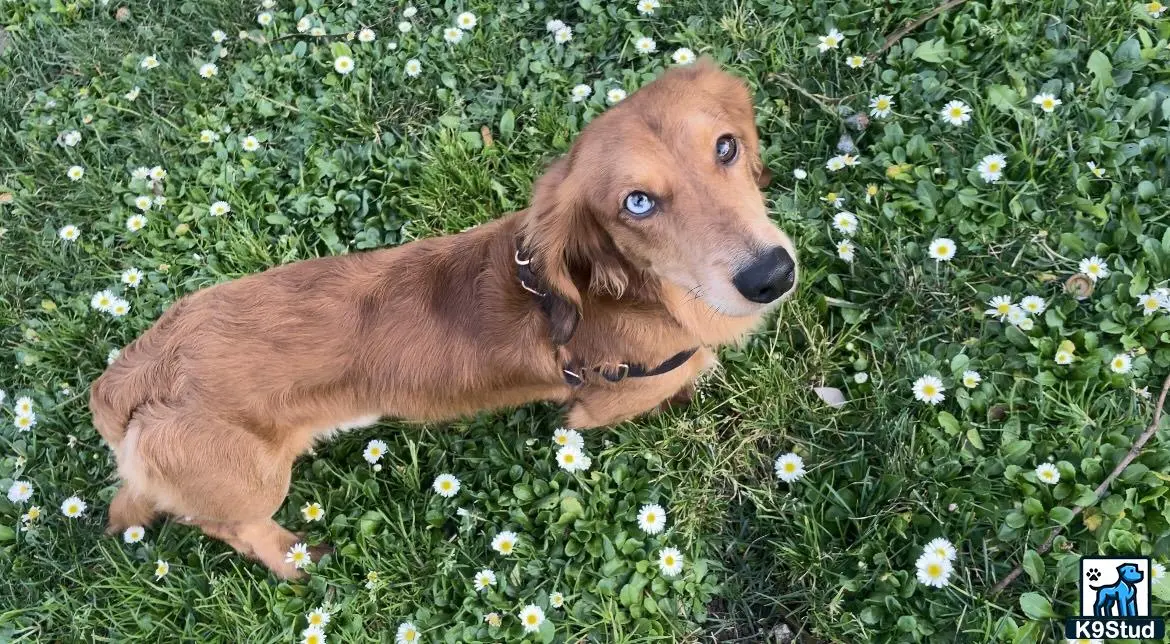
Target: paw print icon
{"type": "Point", "coordinates": [1092, 574]}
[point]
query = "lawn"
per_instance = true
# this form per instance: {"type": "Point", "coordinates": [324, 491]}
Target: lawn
{"type": "Point", "coordinates": [153, 148]}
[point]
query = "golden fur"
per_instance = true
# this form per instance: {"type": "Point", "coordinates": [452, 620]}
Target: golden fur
{"type": "Point", "coordinates": [207, 410]}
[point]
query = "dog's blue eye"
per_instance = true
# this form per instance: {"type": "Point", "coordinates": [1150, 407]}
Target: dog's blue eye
{"type": "Point", "coordinates": [639, 204]}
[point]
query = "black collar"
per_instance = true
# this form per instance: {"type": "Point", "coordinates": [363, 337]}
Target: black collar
{"type": "Point", "coordinates": [574, 369]}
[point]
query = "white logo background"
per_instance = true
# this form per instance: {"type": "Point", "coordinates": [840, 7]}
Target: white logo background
{"type": "Point", "coordinates": [1096, 573]}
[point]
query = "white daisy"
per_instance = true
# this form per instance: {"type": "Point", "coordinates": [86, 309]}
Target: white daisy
{"type": "Point", "coordinates": [409, 12]}
{"type": "Point", "coordinates": [563, 35]}
{"type": "Point", "coordinates": [505, 542]}
{"type": "Point", "coordinates": [367, 35]}
{"type": "Point", "coordinates": [134, 534]}
{"type": "Point", "coordinates": [313, 635]}
{"type": "Point", "coordinates": [20, 491]}
{"type": "Point", "coordinates": [652, 518]}
{"type": "Point", "coordinates": [940, 547]}
{"type": "Point", "coordinates": [344, 64]}
{"type": "Point", "coordinates": [69, 232]}
{"type": "Point", "coordinates": [219, 209]}
{"type": "Point", "coordinates": [132, 95]}
{"type": "Point", "coordinates": [855, 62]}
{"type": "Point", "coordinates": [304, 24]}
{"type": "Point", "coordinates": [531, 616]}
{"type": "Point", "coordinates": [75, 172]}
{"type": "Point", "coordinates": [799, 174]}
{"type": "Point", "coordinates": [150, 62]}
{"type": "Point", "coordinates": [493, 619]}
{"type": "Point", "coordinates": [647, 7]}
{"type": "Point", "coordinates": [991, 167]}
{"type": "Point", "coordinates": [845, 222]}
{"type": "Point", "coordinates": [318, 617]}
{"type": "Point", "coordinates": [835, 164]}
{"type": "Point", "coordinates": [1016, 316]}
{"type": "Point", "coordinates": [208, 136]}
{"type": "Point", "coordinates": [553, 26]}
{"type": "Point", "coordinates": [568, 438]}
{"type": "Point", "coordinates": [161, 569]}
{"type": "Point", "coordinates": [143, 202]}
{"type": "Point", "coordinates": [845, 250]}
{"type": "Point", "coordinates": [1157, 572]}
{"type": "Point", "coordinates": [375, 450]}
{"type": "Point", "coordinates": [484, 579]}
{"type": "Point", "coordinates": [1047, 473]}
{"type": "Point", "coordinates": [25, 422]}
{"type": "Point", "coordinates": [453, 35]}
{"type": "Point", "coordinates": [929, 389]}
{"type": "Point", "coordinates": [645, 45]}
{"type": "Point", "coordinates": [207, 70]}
{"type": "Point", "coordinates": [251, 143]}
{"type": "Point", "coordinates": [942, 249]}
{"type": "Point", "coordinates": [71, 138]}
{"type": "Point", "coordinates": [1063, 357]}
{"type": "Point", "coordinates": [23, 406]}
{"type": "Point", "coordinates": [832, 40]}
{"type": "Point", "coordinates": [132, 277]}
{"type": "Point", "coordinates": [580, 92]}
{"type": "Point", "coordinates": [119, 307]}
{"type": "Point", "coordinates": [1095, 267]}
{"type": "Point", "coordinates": [446, 485]}
{"type": "Point", "coordinates": [264, 18]}
{"type": "Point", "coordinates": [466, 21]}
{"type": "Point", "coordinates": [789, 467]}
{"type": "Point", "coordinates": [413, 68]}
{"type": "Point", "coordinates": [556, 599]}
{"type": "Point", "coordinates": [1149, 303]}
{"type": "Point", "coordinates": [312, 512]}
{"type": "Point", "coordinates": [135, 223]}
{"type": "Point", "coordinates": [881, 106]}
{"type": "Point", "coordinates": [971, 379]}
{"type": "Point", "coordinates": [1097, 171]}
{"type": "Point", "coordinates": [571, 459]}
{"type": "Point", "coordinates": [683, 56]}
{"type": "Point", "coordinates": [1033, 305]}
{"type": "Point", "coordinates": [670, 561]}
{"type": "Point", "coordinates": [956, 113]}
{"type": "Point", "coordinates": [218, 36]}
{"type": "Point", "coordinates": [1047, 102]}
{"type": "Point", "coordinates": [1000, 307]}
{"type": "Point", "coordinates": [102, 301]}
{"type": "Point", "coordinates": [615, 95]}
{"type": "Point", "coordinates": [404, 27]}
{"type": "Point", "coordinates": [1121, 363]}
{"type": "Point", "coordinates": [933, 570]}
{"type": "Point", "coordinates": [73, 507]}
{"type": "Point", "coordinates": [141, 173]}
{"type": "Point", "coordinates": [298, 555]}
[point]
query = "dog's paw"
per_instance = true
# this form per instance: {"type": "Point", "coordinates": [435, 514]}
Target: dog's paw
{"type": "Point", "coordinates": [1092, 574]}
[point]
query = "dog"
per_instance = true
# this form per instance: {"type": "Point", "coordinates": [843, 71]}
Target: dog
{"type": "Point", "coordinates": [1120, 595]}
{"type": "Point", "coordinates": [643, 249]}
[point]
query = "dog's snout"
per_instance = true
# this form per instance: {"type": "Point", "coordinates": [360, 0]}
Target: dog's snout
{"type": "Point", "coordinates": [766, 279]}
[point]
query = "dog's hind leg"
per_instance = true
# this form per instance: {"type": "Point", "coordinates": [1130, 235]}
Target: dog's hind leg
{"type": "Point", "coordinates": [220, 477]}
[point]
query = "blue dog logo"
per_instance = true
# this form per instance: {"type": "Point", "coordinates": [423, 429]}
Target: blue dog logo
{"type": "Point", "coordinates": [1119, 599]}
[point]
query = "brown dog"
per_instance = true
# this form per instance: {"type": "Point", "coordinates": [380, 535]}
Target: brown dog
{"type": "Point", "coordinates": [644, 248]}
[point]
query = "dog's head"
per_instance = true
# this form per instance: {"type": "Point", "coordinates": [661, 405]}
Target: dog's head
{"type": "Point", "coordinates": [1129, 573]}
{"type": "Point", "coordinates": [664, 187]}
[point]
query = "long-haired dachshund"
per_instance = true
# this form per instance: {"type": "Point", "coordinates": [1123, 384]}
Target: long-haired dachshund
{"type": "Point", "coordinates": [644, 248]}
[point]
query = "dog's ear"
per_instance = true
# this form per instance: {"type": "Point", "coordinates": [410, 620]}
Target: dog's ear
{"type": "Point", "coordinates": [763, 177]}
{"type": "Point", "coordinates": [569, 248]}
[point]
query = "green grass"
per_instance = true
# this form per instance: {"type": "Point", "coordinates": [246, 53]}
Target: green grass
{"type": "Point", "coordinates": [374, 159]}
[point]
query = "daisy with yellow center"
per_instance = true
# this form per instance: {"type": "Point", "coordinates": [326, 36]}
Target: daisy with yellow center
{"type": "Point", "coordinates": [69, 233]}
{"type": "Point", "coordinates": [446, 485]}
{"type": "Point", "coordinates": [484, 579]}
{"type": "Point", "coordinates": [957, 113]}
{"type": "Point", "coordinates": [493, 619]}
{"type": "Point", "coordinates": [855, 62]}
{"type": "Point", "coordinates": [933, 570]}
{"type": "Point", "coordinates": [505, 542]}
{"type": "Point", "coordinates": [845, 250]}
{"type": "Point", "coordinates": [135, 223]}
{"type": "Point", "coordinates": [929, 389]}
{"type": "Point", "coordinates": [942, 249]}
{"type": "Point", "coordinates": [1155, 9]}
{"type": "Point", "coordinates": [161, 569]}
{"type": "Point", "coordinates": [1047, 102]}
{"type": "Point", "coordinates": [652, 518]}
{"type": "Point", "coordinates": [34, 513]}
{"type": "Point", "coordinates": [344, 64]}
{"type": "Point", "coordinates": [73, 507]}
{"type": "Point", "coordinates": [1121, 363]}
{"type": "Point", "coordinates": [318, 617]}
{"type": "Point", "coordinates": [789, 467]}
{"type": "Point", "coordinates": [1047, 473]}
{"type": "Point", "coordinates": [556, 600]}
{"type": "Point", "coordinates": [670, 561]}
{"type": "Point", "coordinates": [25, 423]}
{"type": "Point", "coordinates": [1095, 267]}
{"type": "Point", "coordinates": [298, 556]}
{"type": "Point", "coordinates": [313, 512]}
{"type": "Point", "coordinates": [531, 617]}
{"type": "Point", "coordinates": [831, 40]}
{"type": "Point", "coordinates": [134, 534]}
{"type": "Point", "coordinates": [313, 635]}
{"type": "Point", "coordinates": [407, 634]}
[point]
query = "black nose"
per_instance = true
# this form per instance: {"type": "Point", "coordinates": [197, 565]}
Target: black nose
{"type": "Point", "coordinates": [768, 277]}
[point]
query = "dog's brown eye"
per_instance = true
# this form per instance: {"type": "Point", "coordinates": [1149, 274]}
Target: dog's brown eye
{"type": "Point", "coordinates": [726, 148]}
